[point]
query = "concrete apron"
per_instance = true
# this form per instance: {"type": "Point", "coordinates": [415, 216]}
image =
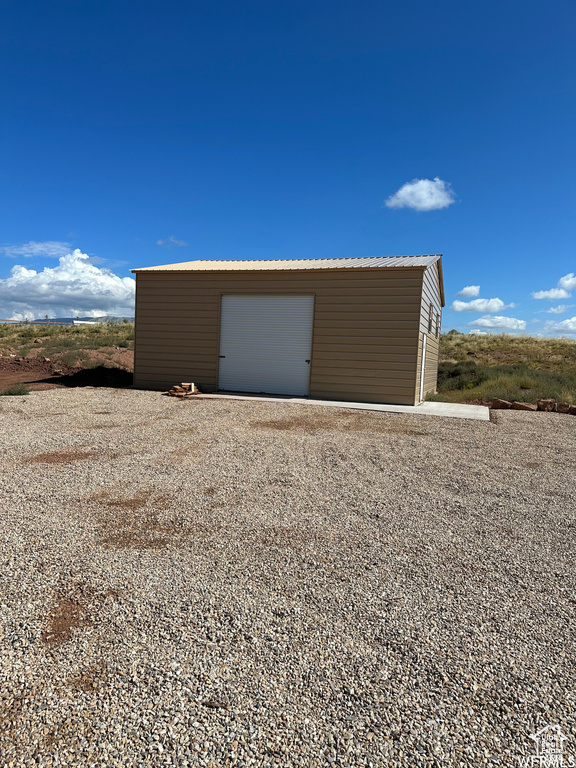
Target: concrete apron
{"type": "Point", "coordinates": [448, 410]}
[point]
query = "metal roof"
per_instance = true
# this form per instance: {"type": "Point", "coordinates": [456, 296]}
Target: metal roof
{"type": "Point", "coordinates": [358, 262]}
{"type": "Point", "coordinates": [352, 262]}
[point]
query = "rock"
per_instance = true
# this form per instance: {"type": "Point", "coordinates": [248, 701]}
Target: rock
{"type": "Point", "coordinates": [547, 404]}
{"type": "Point", "coordinates": [45, 359]}
{"type": "Point", "coordinates": [524, 406]}
{"type": "Point", "coordinates": [562, 407]}
{"type": "Point", "coordinates": [573, 410]}
{"type": "Point", "coordinates": [37, 341]}
{"type": "Point", "coordinates": [498, 403]}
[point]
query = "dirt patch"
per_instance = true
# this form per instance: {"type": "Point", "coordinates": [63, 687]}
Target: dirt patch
{"type": "Point", "coordinates": [68, 614]}
{"type": "Point", "coordinates": [16, 370]}
{"type": "Point", "coordinates": [350, 422]}
{"type": "Point", "coordinates": [142, 532]}
{"type": "Point", "coordinates": [90, 679]}
{"type": "Point", "coordinates": [127, 502]}
{"type": "Point", "coordinates": [129, 528]}
{"type": "Point", "coordinates": [60, 457]}
{"type": "Point", "coordinates": [132, 527]}
{"type": "Point", "coordinates": [72, 609]}
{"type": "Point", "coordinates": [40, 375]}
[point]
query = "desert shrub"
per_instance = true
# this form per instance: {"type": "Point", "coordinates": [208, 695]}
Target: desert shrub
{"type": "Point", "coordinates": [15, 389]}
{"type": "Point", "coordinates": [521, 368]}
{"type": "Point", "coordinates": [458, 376]}
{"type": "Point", "coordinates": [75, 357]}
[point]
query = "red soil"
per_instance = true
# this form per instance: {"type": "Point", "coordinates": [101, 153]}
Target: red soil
{"type": "Point", "coordinates": [110, 370]}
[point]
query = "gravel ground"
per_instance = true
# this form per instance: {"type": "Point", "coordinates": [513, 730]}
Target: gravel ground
{"type": "Point", "coordinates": [211, 583]}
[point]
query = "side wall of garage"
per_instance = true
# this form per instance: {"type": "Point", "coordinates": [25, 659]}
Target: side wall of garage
{"type": "Point", "coordinates": [365, 338]}
{"type": "Point", "coordinates": [430, 323]}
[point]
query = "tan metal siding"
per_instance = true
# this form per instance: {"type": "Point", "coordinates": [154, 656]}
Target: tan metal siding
{"type": "Point", "coordinates": [430, 298]}
{"type": "Point", "coordinates": [365, 328]}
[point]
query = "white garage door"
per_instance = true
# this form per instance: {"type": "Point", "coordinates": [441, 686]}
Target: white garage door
{"type": "Point", "coordinates": [266, 344]}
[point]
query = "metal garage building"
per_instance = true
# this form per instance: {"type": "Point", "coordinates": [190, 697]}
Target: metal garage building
{"type": "Point", "coordinates": [363, 329]}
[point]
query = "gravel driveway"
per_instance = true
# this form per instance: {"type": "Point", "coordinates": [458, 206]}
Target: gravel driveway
{"type": "Point", "coordinates": [212, 583]}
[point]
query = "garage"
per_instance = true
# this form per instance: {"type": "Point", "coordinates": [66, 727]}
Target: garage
{"type": "Point", "coordinates": [357, 329]}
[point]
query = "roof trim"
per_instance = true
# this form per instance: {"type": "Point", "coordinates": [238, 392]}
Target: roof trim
{"type": "Point", "coordinates": [441, 281]}
{"type": "Point", "coordinates": [353, 262]}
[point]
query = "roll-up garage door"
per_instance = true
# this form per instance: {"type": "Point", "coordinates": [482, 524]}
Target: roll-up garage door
{"type": "Point", "coordinates": [266, 344]}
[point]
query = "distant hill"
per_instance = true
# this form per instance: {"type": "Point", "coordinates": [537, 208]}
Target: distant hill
{"type": "Point", "coordinates": [72, 320]}
{"type": "Point", "coordinates": [477, 368]}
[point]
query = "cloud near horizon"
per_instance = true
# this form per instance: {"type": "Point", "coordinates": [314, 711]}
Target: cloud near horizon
{"type": "Point", "coordinates": [479, 305]}
{"type": "Point", "coordinates": [496, 321]}
{"type": "Point", "coordinates": [562, 290]}
{"type": "Point", "coordinates": [469, 290]}
{"type": "Point", "coordinates": [75, 287]}
{"type": "Point", "coordinates": [422, 195]}
{"type": "Point", "coordinates": [563, 326]}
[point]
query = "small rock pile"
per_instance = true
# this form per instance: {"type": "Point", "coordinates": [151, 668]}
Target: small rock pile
{"type": "Point", "coordinates": [545, 404]}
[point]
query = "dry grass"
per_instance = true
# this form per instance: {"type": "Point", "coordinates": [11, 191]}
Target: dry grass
{"type": "Point", "coordinates": [65, 339]}
{"type": "Point", "coordinates": [479, 368]}
{"type": "Point", "coordinates": [502, 349]}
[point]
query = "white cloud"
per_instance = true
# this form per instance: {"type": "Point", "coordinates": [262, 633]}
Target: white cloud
{"type": "Point", "coordinates": [553, 293]}
{"type": "Point", "coordinates": [564, 326]}
{"type": "Point", "coordinates": [497, 321]}
{"type": "Point", "coordinates": [49, 248]}
{"type": "Point", "coordinates": [171, 242]}
{"type": "Point", "coordinates": [562, 290]}
{"type": "Point", "coordinates": [74, 287]}
{"type": "Point", "coordinates": [422, 195]}
{"type": "Point", "coordinates": [477, 332]}
{"type": "Point", "coordinates": [559, 310]}
{"type": "Point", "coordinates": [568, 282]}
{"type": "Point", "coordinates": [469, 290]}
{"type": "Point", "coordinates": [480, 305]}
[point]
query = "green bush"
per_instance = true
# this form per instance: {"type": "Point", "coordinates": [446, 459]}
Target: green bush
{"type": "Point", "coordinates": [458, 376]}
{"type": "Point", "coordinates": [470, 381]}
{"type": "Point", "coordinates": [15, 389]}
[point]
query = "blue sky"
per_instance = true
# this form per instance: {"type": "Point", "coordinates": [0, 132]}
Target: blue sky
{"type": "Point", "coordinates": [144, 133]}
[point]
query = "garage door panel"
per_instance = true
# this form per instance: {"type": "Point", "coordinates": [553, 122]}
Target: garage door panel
{"type": "Point", "coordinates": [265, 343]}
